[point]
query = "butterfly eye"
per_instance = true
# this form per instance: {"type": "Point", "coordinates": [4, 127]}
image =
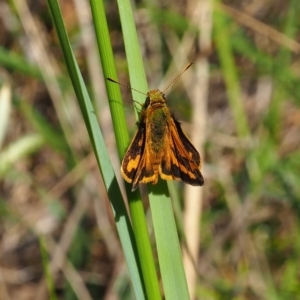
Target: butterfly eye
{"type": "Point", "coordinates": [147, 102]}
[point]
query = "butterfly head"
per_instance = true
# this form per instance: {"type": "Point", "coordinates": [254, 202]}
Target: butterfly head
{"type": "Point", "coordinates": [155, 98]}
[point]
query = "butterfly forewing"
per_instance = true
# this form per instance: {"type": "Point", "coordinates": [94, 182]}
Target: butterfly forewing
{"type": "Point", "coordinates": [181, 160]}
{"type": "Point", "coordinates": [193, 153]}
{"type": "Point", "coordinates": [132, 158]}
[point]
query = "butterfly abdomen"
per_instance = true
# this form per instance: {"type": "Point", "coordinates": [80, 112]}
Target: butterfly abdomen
{"type": "Point", "coordinates": [157, 131]}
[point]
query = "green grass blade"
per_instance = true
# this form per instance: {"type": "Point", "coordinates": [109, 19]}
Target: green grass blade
{"type": "Point", "coordinates": [133, 54]}
{"type": "Point", "coordinates": [168, 246]}
{"type": "Point", "coordinates": [117, 204]}
{"type": "Point", "coordinates": [138, 81]}
{"type": "Point", "coordinates": [146, 262]}
{"type": "Point", "coordinates": [109, 70]}
{"type": "Point", "coordinates": [136, 208]}
{"type": "Point", "coordinates": [174, 282]}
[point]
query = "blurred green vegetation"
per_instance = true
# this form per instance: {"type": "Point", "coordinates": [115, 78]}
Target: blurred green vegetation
{"type": "Point", "coordinates": [250, 237]}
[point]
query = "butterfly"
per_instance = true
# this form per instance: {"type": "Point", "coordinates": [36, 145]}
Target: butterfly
{"type": "Point", "coordinates": [160, 148]}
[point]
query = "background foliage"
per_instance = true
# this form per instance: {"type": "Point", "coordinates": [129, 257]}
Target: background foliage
{"type": "Point", "coordinates": [250, 236]}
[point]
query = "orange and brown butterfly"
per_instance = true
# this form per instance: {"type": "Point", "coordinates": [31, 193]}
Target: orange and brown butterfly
{"type": "Point", "coordinates": [160, 147]}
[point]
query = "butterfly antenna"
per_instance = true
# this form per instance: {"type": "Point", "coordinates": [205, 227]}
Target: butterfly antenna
{"type": "Point", "coordinates": [126, 85]}
{"type": "Point", "coordinates": [178, 76]}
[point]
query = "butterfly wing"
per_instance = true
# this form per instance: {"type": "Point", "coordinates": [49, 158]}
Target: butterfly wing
{"type": "Point", "coordinates": [188, 146]}
{"type": "Point", "coordinates": [181, 160]}
{"type": "Point", "coordinates": [133, 155]}
{"type": "Point", "coordinates": [136, 166]}
{"type": "Point", "coordinates": [145, 172]}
